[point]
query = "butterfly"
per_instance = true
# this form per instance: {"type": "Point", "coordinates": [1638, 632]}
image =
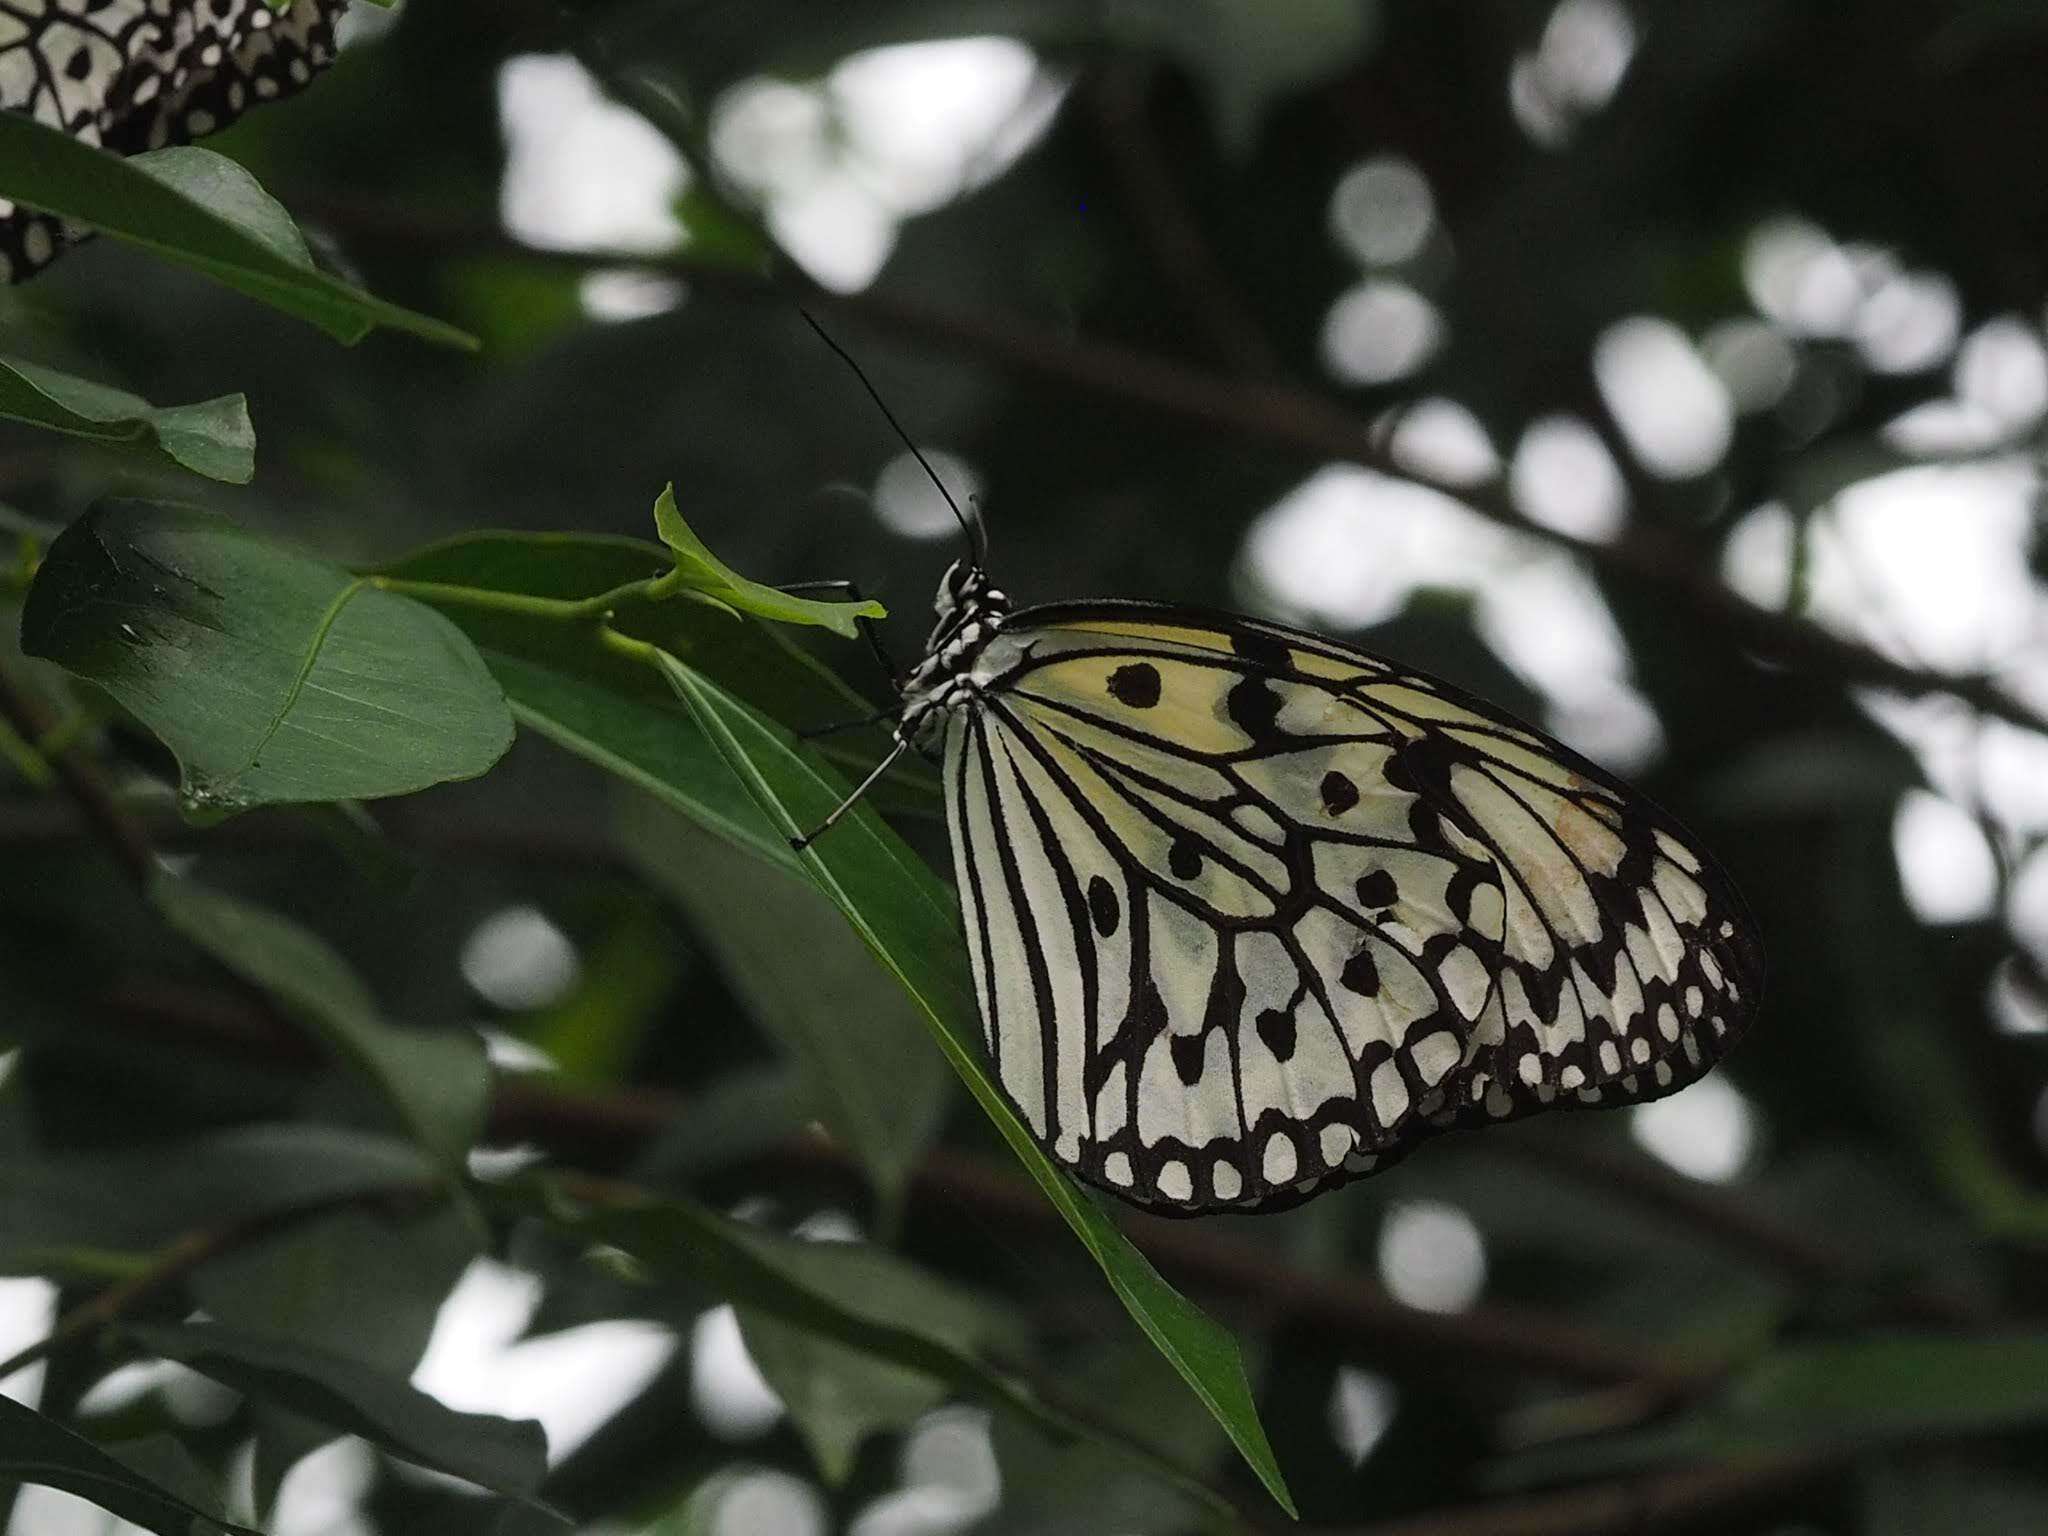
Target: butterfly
{"type": "Point", "coordinates": [1251, 913]}
{"type": "Point", "coordinates": [134, 75]}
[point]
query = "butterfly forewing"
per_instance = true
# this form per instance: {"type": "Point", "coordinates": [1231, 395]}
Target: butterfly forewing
{"type": "Point", "coordinates": [1251, 913]}
{"type": "Point", "coordinates": [134, 75]}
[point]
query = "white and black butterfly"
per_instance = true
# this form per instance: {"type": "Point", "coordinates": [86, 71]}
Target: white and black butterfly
{"type": "Point", "coordinates": [132, 75]}
{"type": "Point", "coordinates": [1251, 912]}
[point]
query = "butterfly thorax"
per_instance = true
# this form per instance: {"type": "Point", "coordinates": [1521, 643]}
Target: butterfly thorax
{"type": "Point", "coordinates": [970, 614]}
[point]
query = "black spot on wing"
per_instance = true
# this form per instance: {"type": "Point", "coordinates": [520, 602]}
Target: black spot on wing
{"type": "Point", "coordinates": [1378, 889]}
{"type": "Point", "coordinates": [1135, 683]}
{"type": "Point", "coordinates": [1187, 1057]}
{"type": "Point", "coordinates": [1254, 708]}
{"type": "Point", "coordinates": [1338, 792]}
{"type": "Point", "coordinates": [1361, 974]}
{"type": "Point", "coordinates": [1276, 1028]}
{"type": "Point", "coordinates": [1102, 906]}
{"type": "Point", "coordinates": [1265, 650]}
{"type": "Point", "coordinates": [1184, 858]}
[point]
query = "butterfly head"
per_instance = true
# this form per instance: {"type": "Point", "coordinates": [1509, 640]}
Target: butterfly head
{"type": "Point", "coordinates": [966, 594]}
{"type": "Point", "coordinates": [970, 611]}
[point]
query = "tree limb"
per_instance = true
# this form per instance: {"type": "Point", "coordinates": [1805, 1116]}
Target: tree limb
{"type": "Point", "coordinates": [1701, 1498]}
{"type": "Point", "coordinates": [179, 1260]}
{"type": "Point", "coordinates": [103, 814]}
{"type": "Point", "coordinates": [1280, 414]}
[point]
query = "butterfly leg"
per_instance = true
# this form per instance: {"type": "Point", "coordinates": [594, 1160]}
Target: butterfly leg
{"type": "Point", "coordinates": [852, 593]}
{"type": "Point", "coordinates": [839, 810]}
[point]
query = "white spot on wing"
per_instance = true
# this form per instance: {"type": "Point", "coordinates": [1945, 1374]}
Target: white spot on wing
{"type": "Point", "coordinates": [1175, 1182]}
{"type": "Point", "coordinates": [1280, 1159]}
{"type": "Point", "coordinates": [1389, 1093]}
{"type": "Point", "coordinates": [1436, 1054]}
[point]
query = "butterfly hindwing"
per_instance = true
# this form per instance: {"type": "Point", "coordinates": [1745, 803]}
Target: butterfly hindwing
{"type": "Point", "coordinates": [1251, 913]}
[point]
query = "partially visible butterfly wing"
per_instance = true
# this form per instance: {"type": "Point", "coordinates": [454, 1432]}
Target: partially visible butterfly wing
{"type": "Point", "coordinates": [1251, 913]}
{"type": "Point", "coordinates": [131, 75]}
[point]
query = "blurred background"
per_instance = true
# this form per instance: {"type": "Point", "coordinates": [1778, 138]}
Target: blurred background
{"type": "Point", "coordinates": [1672, 375]}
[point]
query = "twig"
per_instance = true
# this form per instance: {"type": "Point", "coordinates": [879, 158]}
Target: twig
{"type": "Point", "coordinates": [1705, 1498]}
{"type": "Point", "coordinates": [179, 1260]}
{"type": "Point", "coordinates": [1794, 1252]}
{"type": "Point", "coordinates": [605, 1130]}
{"type": "Point", "coordinates": [1279, 414]}
{"type": "Point", "coordinates": [103, 813]}
{"type": "Point", "coordinates": [1348, 1306]}
{"type": "Point", "coordinates": [1119, 93]}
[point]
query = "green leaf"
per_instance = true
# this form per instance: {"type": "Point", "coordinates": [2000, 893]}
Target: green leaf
{"type": "Point", "coordinates": [273, 676]}
{"type": "Point", "coordinates": [703, 572]}
{"type": "Point", "coordinates": [133, 1202]}
{"type": "Point", "coordinates": [436, 1083]}
{"type": "Point", "coordinates": [306, 1284]}
{"type": "Point", "coordinates": [165, 1461]}
{"type": "Point", "coordinates": [836, 1396]}
{"type": "Point", "coordinates": [906, 916]}
{"type": "Point", "coordinates": [211, 437]}
{"type": "Point", "coordinates": [1874, 1389]}
{"type": "Point", "coordinates": [505, 1455]}
{"type": "Point", "coordinates": [861, 1045]}
{"type": "Point", "coordinates": [197, 209]}
{"type": "Point", "coordinates": [651, 746]}
{"type": "Point", "coordinates": [35, 1449]}
{"type": "Point", "coordinates": [618, 713]}
{"type": "Point", "coordinates": [848, 1294]}
{"type": "Point", "coordinates": [1049, 1485]}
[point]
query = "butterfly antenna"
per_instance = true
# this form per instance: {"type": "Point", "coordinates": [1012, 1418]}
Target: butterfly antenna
{"type": "Point", "coordinates": [977, 534]}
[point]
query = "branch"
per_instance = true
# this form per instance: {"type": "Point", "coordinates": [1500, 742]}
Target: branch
{"type": "Point", "coordinates": [604, 1131]}
{"type": "Point", "coordinates": [1186, 263]}
{"type": "Point", "coordinates": [121, 834]}
{"type": "Point", "coordinates": [1262, 411]}
{"type": "Point", "coordinates": [1808, 1257]}
{"type": "Point", "coordinates": [179, 1260]}
{"type": "Point", "coordinates": [1704, 1498]}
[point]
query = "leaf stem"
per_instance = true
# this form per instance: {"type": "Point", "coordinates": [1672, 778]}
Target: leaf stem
{"type": "Point", "coordinates": [557, 610]}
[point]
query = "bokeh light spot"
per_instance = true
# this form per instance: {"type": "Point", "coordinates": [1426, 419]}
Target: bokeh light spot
{"type": "Point", "coordinates": [726, 1388]}
{"type": "Point", "coordinates": [1362, 1407]}
{"type": "Point", "coordinates": [1379, 330]}
{"type": "Point", "coordinates": [1707, 1131]}
{"type": "Point", "coordinates": [1431, 1256]}
{"type": "Point", "coordinates": [1753, 361]}
{"type": "Point", "coordinates": [1946, 868]}
{"type": "Point", "coordinates": [1381, 211]}
{"type": "Point", "coordinates": [1442, 441]}
{"type": "Point", "coordinates": [1563, 478]}
{"type": "Point", "coordinates": [1673, 409]}
{"type": "Point", "coordinates": [581, 171]}
{"type": "Point", "coordinates": [907, 503]}
{"type": "Point", "coordinates": [517, 959]}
